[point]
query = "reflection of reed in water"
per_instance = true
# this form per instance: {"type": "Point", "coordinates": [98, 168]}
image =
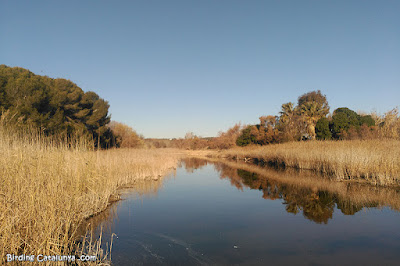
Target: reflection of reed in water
{"type": "Point", "coordinates": [374, 161]}
{"type": "Point", "coordinates": [105, 219]}
{"type": "Point", "coordinates": [90, 235]}
{"type": "Point", "coordinates": [191, 164]}
{"type": "Point", "coordinates": [97, 231]}
{"type": "Point", "coordinates": [305, 192]}
{"type": "Point", "coordinates": [146, 188]}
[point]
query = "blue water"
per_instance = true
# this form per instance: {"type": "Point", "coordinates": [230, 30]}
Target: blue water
{"type": "Point", "coordinates": [199, 218]}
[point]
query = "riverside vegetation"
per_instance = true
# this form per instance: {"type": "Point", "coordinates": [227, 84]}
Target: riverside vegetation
{"type": "Point", "coordinates": [57, 168]}
{"type": "Point", "coordinates": [374, 161]}
{"type": "Point", "coordinates": [344, 144]}
{"type": "Point", "coordinates": [49, 188]}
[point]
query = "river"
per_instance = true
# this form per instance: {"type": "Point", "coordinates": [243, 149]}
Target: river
{"type": "Point", "coordinates": [213, 213]}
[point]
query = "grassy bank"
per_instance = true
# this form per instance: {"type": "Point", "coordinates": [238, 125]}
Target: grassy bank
{"type": "Point", "coordinates": [374, 161]}
{"type": "Point", "coordinates": [48, 189]}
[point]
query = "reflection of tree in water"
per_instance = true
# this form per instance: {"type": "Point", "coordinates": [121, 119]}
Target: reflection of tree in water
{"type": "Point", "coordinates": [229, 173]}
{"type": "Point", "coordinates": [316, 205]}
{"type": "Point", "coordinates": [348, 208]}
{"type": "Point", "coordinates": [315, 202]}
{"type": "Point", "coordinates": [192, 164]}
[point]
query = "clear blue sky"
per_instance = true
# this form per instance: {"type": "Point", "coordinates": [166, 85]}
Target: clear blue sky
{"type": "Point", "coordinates": [169, 67]}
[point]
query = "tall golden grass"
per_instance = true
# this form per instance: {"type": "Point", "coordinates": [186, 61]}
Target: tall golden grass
{"type": "Point", "coordinates": [374, 161]}
{"type": "Point", "coordinates": [49, 188]}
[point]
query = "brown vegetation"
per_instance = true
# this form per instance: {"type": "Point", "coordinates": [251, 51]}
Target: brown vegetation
{"type": "Point", "coordinates": [226, 140]}
{"type": "Point", "coordinates": [390, 124]}
{"type": "Point", "coordinates": [291, 125]}
{"type": "Point", "coordinates": [374, 161]}
{"type": "Point", "coordinates": [48, 188]}
{"type": "Point", "coordinates": [125, 136]}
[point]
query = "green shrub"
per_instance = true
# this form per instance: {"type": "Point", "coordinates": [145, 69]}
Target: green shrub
{"type": "Point", "coordinates": [246, 137]}
{"type": "Point", "coordinates": [342, 120]}
{"type": "Point", "coordinates": [322, 129]}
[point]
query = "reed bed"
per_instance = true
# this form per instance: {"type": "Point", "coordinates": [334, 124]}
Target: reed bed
{"type": "Point", "coordinates": [49, 188]}
{"type": "Point", "coordinates": [374, 161]}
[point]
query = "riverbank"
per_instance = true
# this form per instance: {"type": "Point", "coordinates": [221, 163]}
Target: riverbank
{"type": "Point", "coordinates": [374, 161]}
{"type": "Point", "coordinates": [269, 180]}
{"type": "Point", "coordinates": [47, 190]}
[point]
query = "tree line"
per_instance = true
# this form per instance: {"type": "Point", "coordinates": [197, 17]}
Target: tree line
{"type": "Point", "coordinates": [309, 119]}
{"type": "Point", "coordinates": [59, 107]}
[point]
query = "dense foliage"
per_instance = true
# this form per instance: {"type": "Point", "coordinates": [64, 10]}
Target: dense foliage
{"type": "Point", "coordinates": [60, 107]}
{"type": "Point", "coordinates": [311, 107]}
{"type": "Point", "coordinates": [55, 106]}
{"type": "Point", "coordinates": [308, 120]}
{"type": "Point", "coordinates": [322, 129]}
{"type": "Point", "coordinates": [294, 123]}
{"type": "Point", "coordinates": [346, 124]}
{"type": "Point", "coordinates": [342, 120]}
{"type": "Point", "coordinates": [246, 137]}
{"type": "Point", "coordinates": [125, 136]}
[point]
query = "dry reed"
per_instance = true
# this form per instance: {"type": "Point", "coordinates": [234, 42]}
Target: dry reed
{"type": "Point", "coordinates": [49, 188]}
{"type": "Point", "coordinates": [375, 161]}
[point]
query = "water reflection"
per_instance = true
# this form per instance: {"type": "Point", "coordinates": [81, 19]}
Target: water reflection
{"type": "Point", "coordinates": [89, 232]}
{"type": "Point", "coordinates": [225, 213]}
{"type": "Point", "coordinates": [302, 192]}
{"type": "Point", "coordinates": [191, 164]}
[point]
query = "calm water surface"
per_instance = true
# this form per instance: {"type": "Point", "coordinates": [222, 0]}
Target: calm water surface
{"type": "Point", "coordinates": [215, 214]}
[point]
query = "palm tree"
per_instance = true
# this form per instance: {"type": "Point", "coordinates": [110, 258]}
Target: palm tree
{"type": "Point", "coordinates": [287, 121]}
{"type": "Point", "coordinates": [311, 114]}
{"type": "Point", "coordinates": [287, 113]}
{"type": "Point", "coordinates": [311, 107]}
